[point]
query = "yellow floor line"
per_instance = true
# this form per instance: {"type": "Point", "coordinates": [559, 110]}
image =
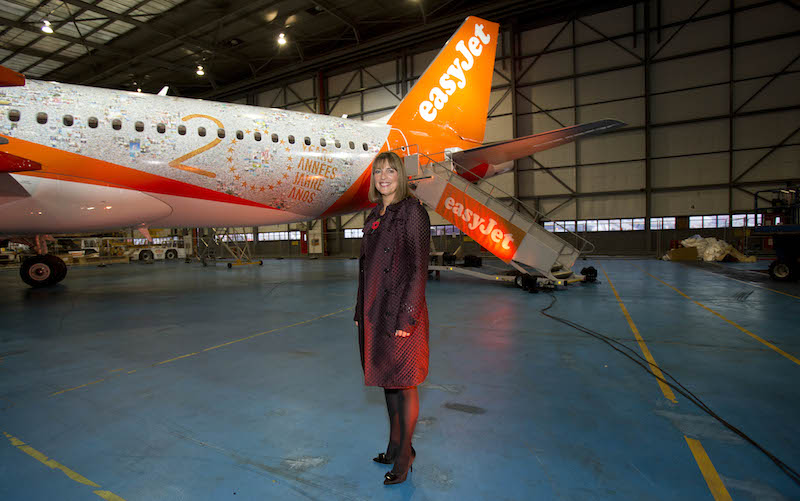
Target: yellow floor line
{"type": "Point", "coordinates": [50, 463]}
{"type": "Point", "coordinates": [757, 338]}
{"type": "Point", "coordinates": [211, 348]}
{"type": "Point", "coordinates": [715, 484]}
{"type": "Point", "coordinates": [747, 283]}
{"type": "Point", "coordinates": [666, 390]}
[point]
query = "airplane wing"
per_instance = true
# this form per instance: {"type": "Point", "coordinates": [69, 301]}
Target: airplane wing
{"type": "Point", "coordinates": [10, 78]}
{"type": "Point", "coordinates": [506, 151]}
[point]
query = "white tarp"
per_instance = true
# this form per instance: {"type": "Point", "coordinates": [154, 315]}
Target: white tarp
{"type": "Point", "coordinates": [711, 249]}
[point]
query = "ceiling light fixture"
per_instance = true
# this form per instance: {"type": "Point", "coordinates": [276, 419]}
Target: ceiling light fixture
{"type": "Point", "coordinates": [281, 39]}
{"type": "Point", "coordinates": [138, 89]}
{"type": "Point", "coordinates": [200, 71]}
{"type": "Point", "coordinates": [46, 26]}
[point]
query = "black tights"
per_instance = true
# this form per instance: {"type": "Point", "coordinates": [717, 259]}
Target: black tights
{"type": "Point", "coordinates": [403, 407]}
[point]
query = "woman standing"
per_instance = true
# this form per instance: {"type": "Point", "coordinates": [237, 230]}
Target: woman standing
{"type": "Point", "coordinates": [391, 313]}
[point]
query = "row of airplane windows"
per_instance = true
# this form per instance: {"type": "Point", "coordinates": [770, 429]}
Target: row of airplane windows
{"type": "Point", "coordinates": [116, 124]}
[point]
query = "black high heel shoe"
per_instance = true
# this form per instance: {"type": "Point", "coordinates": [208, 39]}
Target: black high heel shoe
{"type": "Point", "coordinates": [394, 478]}
{"type": "Point", "coordinates": [385, 458]}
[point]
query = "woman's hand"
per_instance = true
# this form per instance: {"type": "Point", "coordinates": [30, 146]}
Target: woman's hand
{"type": "Point", "coordinates": [356, 324]}
{"type": "Point", "coordinates": [400, 333]}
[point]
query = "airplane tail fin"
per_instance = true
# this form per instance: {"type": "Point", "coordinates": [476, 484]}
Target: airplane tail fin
{"type": "Point", "coordinates": [10, 78]}
{"type": "Point", "coordinates": [447, 106]}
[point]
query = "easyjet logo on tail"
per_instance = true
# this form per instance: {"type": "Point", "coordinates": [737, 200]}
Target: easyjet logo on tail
{"type": "Point", "coordinates": [455, 77]}
{"type": "Point", "coordinates": [491, 231]}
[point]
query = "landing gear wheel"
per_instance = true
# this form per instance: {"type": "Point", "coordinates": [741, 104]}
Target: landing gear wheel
{"type": "Point", "coordinates": [171, 254]}
{"type": "Point", "coordinates": [781, 271]}
{"type": "Point", "coordinates": [230, 265]}
{"type": "Point", "coordinates": [60, 267]}
{"type": "Point", "coordinates": [261, 263]}
{"type": "Point", "coordinates": [42, 271]}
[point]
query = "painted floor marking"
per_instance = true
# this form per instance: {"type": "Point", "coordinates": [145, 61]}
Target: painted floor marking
{"type": "Point", "coordinates": [757, 338]}
{"type": "Point", "coordinates": [50, 463]}
{"type": "Point", "coordinates": [665, 389]}
{"type": "Point", "coordinates": [748, 283]}
{"type": "Point", "coordinates": [187, 355]}
{"type": "Point", "coordinates": [715, 484]}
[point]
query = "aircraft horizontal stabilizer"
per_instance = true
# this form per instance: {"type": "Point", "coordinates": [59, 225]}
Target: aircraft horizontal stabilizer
{"type": "Point", "coordinates": [473, 163]}
{"type": "Point", "coordinates": [10, 78]}
{"type": "Point", "coordinates": [13, 163]}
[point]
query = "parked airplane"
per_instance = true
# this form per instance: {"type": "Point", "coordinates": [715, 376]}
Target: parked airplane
{"type": "Point", "coordinates": [77, 159]}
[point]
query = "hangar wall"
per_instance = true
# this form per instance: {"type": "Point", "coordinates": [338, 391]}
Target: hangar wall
{"type": "Point", "coordinates": [708, 89]}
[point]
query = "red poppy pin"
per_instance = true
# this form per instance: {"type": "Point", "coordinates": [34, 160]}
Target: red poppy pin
{"type": "Point", "coordinates": [375, 224]}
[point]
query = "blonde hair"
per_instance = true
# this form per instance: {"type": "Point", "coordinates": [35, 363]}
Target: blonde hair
{"type": "Point", "coordinates": [395, 162]}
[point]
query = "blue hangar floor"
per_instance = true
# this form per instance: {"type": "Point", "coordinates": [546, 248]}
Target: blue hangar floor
{"type": "Point", "coordinates": [177, 382]}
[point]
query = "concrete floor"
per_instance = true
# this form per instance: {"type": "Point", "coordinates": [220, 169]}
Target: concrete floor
{"type": "Point", "coordinates": [174, 381]}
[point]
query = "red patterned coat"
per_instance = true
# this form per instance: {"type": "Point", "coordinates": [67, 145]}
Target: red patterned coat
{"type": "Point", "coordinates": [393, 272]}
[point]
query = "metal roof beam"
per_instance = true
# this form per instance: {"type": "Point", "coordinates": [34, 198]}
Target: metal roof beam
{"type": "Point", "coordinates": [327, 7]}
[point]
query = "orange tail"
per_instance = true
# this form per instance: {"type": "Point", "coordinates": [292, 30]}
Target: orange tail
{"type": "Point", "coordinates": [447, 106]}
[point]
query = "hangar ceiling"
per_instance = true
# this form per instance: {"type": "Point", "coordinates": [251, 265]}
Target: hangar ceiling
{"type": "Point", "coordinates": [150, 43]}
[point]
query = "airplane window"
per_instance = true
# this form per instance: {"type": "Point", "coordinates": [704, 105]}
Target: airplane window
{"type": "Point", "coordinates": [257, 136]}
{"type": "Point", "coordinates": [139, 126]}
{"type": "Point", "coordinates": [116, 124]}
{"type": "Point", "coordinates": [352, 145]}
{"type": "Point", "coordinates": [41, 117]}
{"type": "Point", "coordinates": [221, 133]}
{"type": "Point", "coordinates": [338, 143]}
{"type": "Point", "coordinates": [68, 120]}
{"type": "Point", "coordinates": [364, 146]}
{"type": "Point", "coordinates": [182, 130]}
{"type": "Point", "coordinates": [92, 122]}
{"type": "Point", "coordinates": [307, 140]}
{"type": "Point", "coordinates": [201, 131]}
{"type": "Point", "coordinates": [161, 128]}
{"type": "Point", "coordinates": [322, 142]}
{"type": "Point", "coordinates": [239, 135]}
{"type": "Point", "coordinates": [274, 138]}
{"type": "Point", "coordinates": [291, 139]}
{"type": "Point", "coordinates": [13, 115]}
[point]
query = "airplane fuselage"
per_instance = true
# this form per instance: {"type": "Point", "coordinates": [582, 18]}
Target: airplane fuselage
{"type": "Point", "coordinates": [113, 159]}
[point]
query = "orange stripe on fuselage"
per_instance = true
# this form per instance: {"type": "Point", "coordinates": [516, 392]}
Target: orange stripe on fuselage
{"type": "Point", "coordinates": [67, 166]}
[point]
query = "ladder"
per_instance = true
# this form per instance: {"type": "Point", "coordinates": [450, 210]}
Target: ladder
{"type": "Point", "coordinates": [487, 215]}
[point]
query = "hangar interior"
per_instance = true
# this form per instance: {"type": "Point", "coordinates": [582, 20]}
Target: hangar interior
{"type": "Point", "coordinates": [174, 381]}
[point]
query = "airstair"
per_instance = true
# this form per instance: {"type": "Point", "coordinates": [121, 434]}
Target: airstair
{"type": "Point", "coordinates": [499, 222]}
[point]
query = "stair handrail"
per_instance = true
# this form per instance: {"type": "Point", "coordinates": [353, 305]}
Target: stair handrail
{"type": "Point", "coordinates": [537, 216]}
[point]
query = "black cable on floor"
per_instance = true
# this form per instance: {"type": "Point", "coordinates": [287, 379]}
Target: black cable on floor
{"type": "Point", "coordinates": [677, 386]}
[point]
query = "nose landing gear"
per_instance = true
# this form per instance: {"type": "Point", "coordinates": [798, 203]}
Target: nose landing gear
{"type": "Point", "coordinates": [43, 270]}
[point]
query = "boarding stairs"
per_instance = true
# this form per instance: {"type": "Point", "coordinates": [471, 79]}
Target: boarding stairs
{"type": "Point", "coordinates": [550, 255]}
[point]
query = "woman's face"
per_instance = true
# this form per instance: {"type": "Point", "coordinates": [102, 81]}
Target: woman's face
{"type": "Point", "coordinates": [385, 177]}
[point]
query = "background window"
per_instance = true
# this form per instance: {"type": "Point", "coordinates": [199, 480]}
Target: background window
{"type": "Point", "coordinates": [638, 224]}
{"type": "Point", "coordinates": [695, 222]}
